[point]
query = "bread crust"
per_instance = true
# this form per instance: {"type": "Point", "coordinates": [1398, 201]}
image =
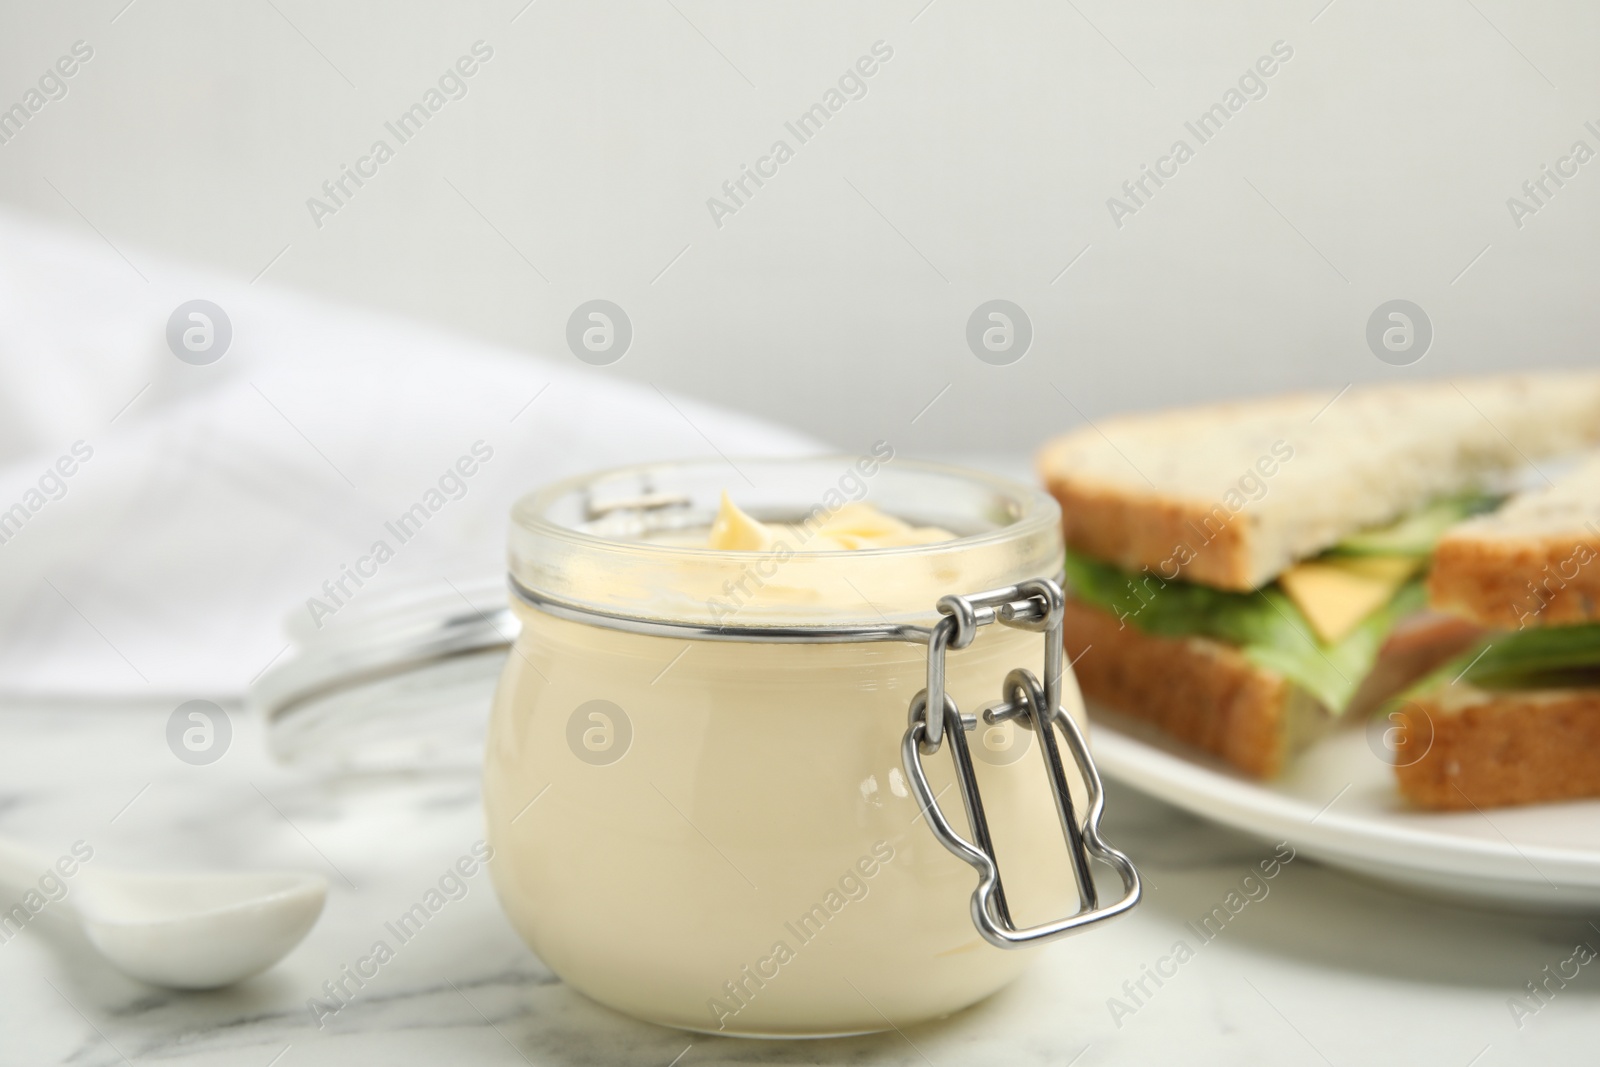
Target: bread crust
{"type": "Point", "coordinates": [1512, 583]}
{"type": "Point", "coordinates": [1207, 545]}
{"type": "Point", "coordinates": [1202, 692]}
{"type": "Point", "coordinates": [1229, 495]}
{"type": "Point", "coordinates": [1210, 695]}
{"type": "Point", "coordinates": [1503, 749]}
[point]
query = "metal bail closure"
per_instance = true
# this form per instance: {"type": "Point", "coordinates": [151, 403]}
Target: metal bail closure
{"type": "Point", "coordinates": [1037, 606]}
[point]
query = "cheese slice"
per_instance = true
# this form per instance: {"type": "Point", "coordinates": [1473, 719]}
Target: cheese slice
{"type": "Point", "coordinates": [1337, 594]}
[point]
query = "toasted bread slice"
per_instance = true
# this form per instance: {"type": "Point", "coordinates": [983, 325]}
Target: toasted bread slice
{"type": "Point", "coordinates": [1232, 494]}
{"type": "Point", "coordinates": [1198, 691]}
{"type": "Point", "coordinates": [1208, 694]}
{"type": "Point", "coordinates": [1535, 562]}
{"type": "Point", "coordinates": [1488, 750]}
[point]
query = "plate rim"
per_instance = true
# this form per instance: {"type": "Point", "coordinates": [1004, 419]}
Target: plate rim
{"type": "Point", "coordinates": [1260, 810]}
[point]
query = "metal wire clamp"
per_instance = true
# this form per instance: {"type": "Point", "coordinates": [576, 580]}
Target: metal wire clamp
{"type": "Point", "coordinates": [1037, 606]}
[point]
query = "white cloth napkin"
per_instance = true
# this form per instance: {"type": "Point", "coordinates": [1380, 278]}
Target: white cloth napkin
{"type": "Point", "coordinates": [206, 504]}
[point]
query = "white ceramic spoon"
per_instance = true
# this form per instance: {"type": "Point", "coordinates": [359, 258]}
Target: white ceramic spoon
{"type": "Point", "coordinates": [186, 931]}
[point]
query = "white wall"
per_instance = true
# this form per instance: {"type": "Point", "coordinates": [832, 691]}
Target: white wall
{"type": "Point", "coordinates": [977, 166]}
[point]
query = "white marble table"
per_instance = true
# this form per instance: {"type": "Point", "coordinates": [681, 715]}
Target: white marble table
{"type": "Point", "coordinates": [1324, 970]}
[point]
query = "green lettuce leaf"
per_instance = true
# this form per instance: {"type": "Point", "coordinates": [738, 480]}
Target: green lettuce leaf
{"type": "Point", "coordinates": [1536, 658]}
{"type": "Point", "coordinates": [1266, 625]}
{"type": "Point", "coordinates": [1418, 533]}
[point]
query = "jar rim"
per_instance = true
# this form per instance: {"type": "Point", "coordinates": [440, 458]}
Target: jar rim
{"type": "Point", "coordinates": [1008, 532]}
{"type": "Point", "coordinates": [1038, 507]}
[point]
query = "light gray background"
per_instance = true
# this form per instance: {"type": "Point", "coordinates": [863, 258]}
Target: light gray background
{"type": "Point", "coordinates": [977, 167]}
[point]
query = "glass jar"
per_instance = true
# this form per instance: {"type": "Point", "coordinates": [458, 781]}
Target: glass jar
{"type": "Point", "coordinates": [714, 800]}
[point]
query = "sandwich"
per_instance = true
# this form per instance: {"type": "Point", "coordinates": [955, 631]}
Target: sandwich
{"type": "Point", "coordinates": [1514, 719]}
{"type": "Point", "coordinates": [1235, 571]}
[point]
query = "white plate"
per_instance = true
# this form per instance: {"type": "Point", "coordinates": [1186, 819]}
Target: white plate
{"type": "Point", "coordinates": [1338, 803]}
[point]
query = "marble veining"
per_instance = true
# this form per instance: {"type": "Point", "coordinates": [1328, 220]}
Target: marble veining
{"type": "Point", "coordinates": [1325, 968]}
